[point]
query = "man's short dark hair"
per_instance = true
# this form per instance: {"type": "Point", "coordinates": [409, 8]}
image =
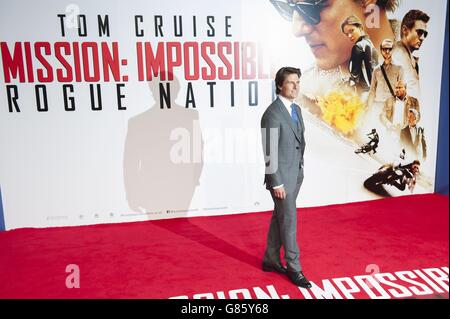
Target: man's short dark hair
{"type": "Point", "coordinates": [417, 162]}
{"type": "Point", "coordinates": [281, 75]}
{"type": "Point", "coordinates": [412, 16]}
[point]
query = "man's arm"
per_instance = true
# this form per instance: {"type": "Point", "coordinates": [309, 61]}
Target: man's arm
{"type": "Point", "coordinates": [404, 136]}
{"type": "Point", "coordinates": [356, 59]}
{"type": "Point", "coordinates": [416, 105]}
{"type": "Point", "coordinates": [270, 132]}
{"type": "Point", "coordinates": [373, 88]}
{"type": "Point", "coordinates": [300, 116]}
{"type": "Point", "coordinates": [400, 185]}
{"type": "Point", "coordinates": [383, 116]}
{"type": "Point", "coordinates": [400, 75]}
{"type": "Point", "coordinates": [367, 57]}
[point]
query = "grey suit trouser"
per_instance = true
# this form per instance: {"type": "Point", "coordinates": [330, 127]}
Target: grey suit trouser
{"type": "Point", "coordinates": [283, 230]}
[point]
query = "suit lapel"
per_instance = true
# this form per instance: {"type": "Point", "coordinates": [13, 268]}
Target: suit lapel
{"type": "Point", "coordinates": [416, 137]}
{"type": "Point", "coordinates": [287, 118]}
{"type": "Point", "coordinates": [408, 134]}
{"type": "Point", "coordinates": [300, 117]}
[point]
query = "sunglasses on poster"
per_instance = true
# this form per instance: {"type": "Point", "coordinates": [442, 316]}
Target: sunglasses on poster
{"type": "Point", "coordinates": [308, 10]}
{"type": "Point", "coordinates": [421, 32]}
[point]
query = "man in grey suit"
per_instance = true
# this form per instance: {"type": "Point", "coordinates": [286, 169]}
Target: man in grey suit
{"type": "Point", "coordinates": [283, 140]}
{"type": "Point", "coordinates": [412, 137]}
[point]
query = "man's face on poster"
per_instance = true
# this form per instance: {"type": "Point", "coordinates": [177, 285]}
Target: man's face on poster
{"type": "Point", "coordinates": [328, 44]}
{"type": "Point", "coordinates": [416, 35]}
{"type": "Point", "coordinates": [400, 89]}
{"type": "Point", "coordinates": [412, 119]}
{"type": "Point", "coordinates": [387, 54]}
{"type": "Point", "coordinates": [415, 169]}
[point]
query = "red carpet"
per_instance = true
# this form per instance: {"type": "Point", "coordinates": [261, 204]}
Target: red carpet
{"type": "Point", "coordinates": [220, 256]}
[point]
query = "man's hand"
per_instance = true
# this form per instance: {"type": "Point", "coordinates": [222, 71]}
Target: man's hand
{"type": "Point", "coordinates": [280, 193]}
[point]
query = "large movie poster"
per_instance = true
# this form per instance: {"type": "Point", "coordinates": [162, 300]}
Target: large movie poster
{"type": "Point", "coordinates": [115, 111]}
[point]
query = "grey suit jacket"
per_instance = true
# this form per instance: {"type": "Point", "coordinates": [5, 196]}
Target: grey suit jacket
{"type": "Point", "coordinates": [406, 140]}
{"type": "Point", "coordinates": [283, 145]}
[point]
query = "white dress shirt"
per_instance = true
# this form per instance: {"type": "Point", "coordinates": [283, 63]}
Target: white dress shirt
{"type": "Point", "coordinates": [287, 103]}
{"type": "Point", "coordinates": [399, 107]}
{"type": "Point", "coordinates": [413, 131]}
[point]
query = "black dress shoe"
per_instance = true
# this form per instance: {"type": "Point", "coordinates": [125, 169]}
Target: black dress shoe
{"type": "Point", "coordinates": [274, 267]}
{"type": "Point", "coordinates": [299, 279]}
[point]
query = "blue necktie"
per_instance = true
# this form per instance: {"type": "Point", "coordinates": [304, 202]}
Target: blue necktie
{"type": "Point", "coordinates": [294, 114]}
